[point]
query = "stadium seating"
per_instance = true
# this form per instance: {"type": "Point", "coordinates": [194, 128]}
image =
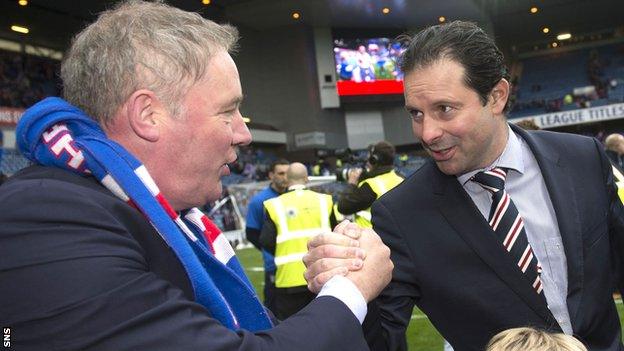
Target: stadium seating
{"type": "Point", "coordinates": [545, 80]}
{"type": "Point", "coordinates": [26, 79]}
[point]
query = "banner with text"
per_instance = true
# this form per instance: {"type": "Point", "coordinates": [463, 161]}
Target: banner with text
{"type": "Point", "coordinates": [566, 118]}
{"type": "Point", "coordinates": [9, 116]}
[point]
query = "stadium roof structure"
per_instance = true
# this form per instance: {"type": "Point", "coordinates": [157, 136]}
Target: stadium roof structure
{"type": "Point", "coordinates": [52, 23]}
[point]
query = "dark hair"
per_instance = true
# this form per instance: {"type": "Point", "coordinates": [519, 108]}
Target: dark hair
{"type": "Point", "coordinates": [279, 161]}
{"type": "Point", "coordinates": [464, 43]}
{"type": "Point", "coordinates": [381, 154]}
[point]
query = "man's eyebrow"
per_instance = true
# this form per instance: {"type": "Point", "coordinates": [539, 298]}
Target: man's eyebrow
{"type": "Point", "coordinates": [409, 107]}
{"type": "Point", "coordinates": [236, 101]}
{"type": "Point", "coordinates": [446, 102]}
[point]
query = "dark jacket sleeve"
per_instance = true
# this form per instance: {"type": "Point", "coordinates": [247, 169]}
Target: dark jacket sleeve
{"type": "Point", "coordinates": [268, 235]}
{"type": "Point", "coordinates": [355, 199]}
{"type": "Point", "coordinates": [333, 222]}
{"type": "Point", "coordinates": [72, 277]}
{"type": "Point", "coordinates": [396, 301]}
{"type": "Point", "coordinates": [253, 236]}
{"type": "Point", "coordinates": [616, 220]}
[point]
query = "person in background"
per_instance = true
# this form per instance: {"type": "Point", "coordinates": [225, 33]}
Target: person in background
{"type": "Point", "coordinates": [292, 219]}
{"type": "Point", "coordinates": [255, 219]}
{"type": "Point", "coordinates": [102, 245]}
{"type": "Point", "coordinates": [524, 338]}
{"type": "Point", "coordinates": [528, 124]}
{"type": "Point", "coordinates": [614, 145]}
{"type": "Point", "coordinates": [365, 188]}
{"type": "Point", "coordinates": [614, 148]}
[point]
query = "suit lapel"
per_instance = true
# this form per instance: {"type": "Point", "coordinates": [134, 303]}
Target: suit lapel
{"type": "Point", "coordinates": [562, 192]}
{"type": "Point", "coordinates": [462, 214]}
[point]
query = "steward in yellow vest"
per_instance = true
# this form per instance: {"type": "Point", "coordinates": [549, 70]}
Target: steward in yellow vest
{"type": "Point", "coordinates": [292, 219]}
{"type": "Point", "coordinates": [379, 185]}
{"type": "Point", "coordinates": [365, 188]}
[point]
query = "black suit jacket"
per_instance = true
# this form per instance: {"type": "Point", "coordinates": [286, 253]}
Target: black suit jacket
{"type": "Point", "coordinates": [80, 269]}
{"type": "Point", "coordinates": [448, 263]}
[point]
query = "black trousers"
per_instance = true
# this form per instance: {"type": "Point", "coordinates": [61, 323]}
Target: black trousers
{"type": "Point", "coordinates": [269, 291]}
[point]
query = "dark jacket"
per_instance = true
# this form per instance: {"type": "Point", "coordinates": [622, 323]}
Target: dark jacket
{"type": "Point", "coordinates": [80, 269]}
{"type": "Point", "coordinates": [448, 263]}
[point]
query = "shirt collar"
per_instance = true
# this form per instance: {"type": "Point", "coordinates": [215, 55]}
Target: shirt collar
{"type": "Point", "coordinates": [511, 158]}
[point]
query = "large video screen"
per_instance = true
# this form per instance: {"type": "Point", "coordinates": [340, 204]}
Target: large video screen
{"type": "Point", "coordinates": [368, 66]}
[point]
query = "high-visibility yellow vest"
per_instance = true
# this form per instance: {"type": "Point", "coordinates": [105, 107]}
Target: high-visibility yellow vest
{"type": "Point", "coordinates": [619, 181]}
{"type": "Point", "coordinates": [380, 185]}
{"type": "Point", "coordinates": [298, 215]}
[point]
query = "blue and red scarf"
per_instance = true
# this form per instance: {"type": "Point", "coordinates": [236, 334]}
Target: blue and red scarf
{"type": "Point", "coordinates": [56, 134]}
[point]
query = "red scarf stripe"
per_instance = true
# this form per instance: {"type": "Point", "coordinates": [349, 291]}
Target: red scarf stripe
{"type": "Point", "coordinates": [161, 200]}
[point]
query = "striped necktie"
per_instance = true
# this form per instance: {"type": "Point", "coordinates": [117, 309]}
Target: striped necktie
{"type": "Point", "coordinates": [508, 225]}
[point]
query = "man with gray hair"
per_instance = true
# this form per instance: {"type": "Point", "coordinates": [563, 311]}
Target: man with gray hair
{"type": "Point", "coordinates": [102, 247]}
{"type": "Point", "coordinates": [614, 147]}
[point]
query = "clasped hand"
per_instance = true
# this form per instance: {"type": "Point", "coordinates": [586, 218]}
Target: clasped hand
{"type": "Point", "coordinates": [351, 251]}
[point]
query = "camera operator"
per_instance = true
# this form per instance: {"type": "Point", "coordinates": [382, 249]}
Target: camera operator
{"type": "Point", "coordinates": [367, 186]}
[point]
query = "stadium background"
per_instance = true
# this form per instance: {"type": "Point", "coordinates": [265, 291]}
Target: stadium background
{"type": "Point", "coordinates": [292, 67]}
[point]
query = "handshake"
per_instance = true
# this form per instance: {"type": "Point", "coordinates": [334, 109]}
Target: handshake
{"type": "Point", "coordinates": [351, 251]}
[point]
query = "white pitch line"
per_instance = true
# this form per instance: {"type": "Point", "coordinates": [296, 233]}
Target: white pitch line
{"type": "Point", "coordinates": [255, 269]}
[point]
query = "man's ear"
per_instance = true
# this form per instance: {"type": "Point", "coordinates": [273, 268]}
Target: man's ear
{"type": "Point", "coordinates": [143, 111]}
{"type": "Point", "coordinates": [499, 96]}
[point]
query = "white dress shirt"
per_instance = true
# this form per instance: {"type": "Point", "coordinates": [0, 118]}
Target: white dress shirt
{"type": "Point", "coordinates": [528, 191]}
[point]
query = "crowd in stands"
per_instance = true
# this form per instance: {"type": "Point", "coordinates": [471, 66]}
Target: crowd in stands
{"type": "Point", "coordinates": [26, 79]}
{"type": "Point", "coordinates": [554, 90]}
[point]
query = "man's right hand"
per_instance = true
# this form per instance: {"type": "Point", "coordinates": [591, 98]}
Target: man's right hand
{"type": "Point", "coordinates": [354, 176]}
{"type": "Point", "coordinates": [376, 272]}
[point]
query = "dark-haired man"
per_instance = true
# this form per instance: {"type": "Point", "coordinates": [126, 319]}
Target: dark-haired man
{"type": "Point", "coordinates": [255, 219]}
{"type": "Point", "coordinates": [504, 227]}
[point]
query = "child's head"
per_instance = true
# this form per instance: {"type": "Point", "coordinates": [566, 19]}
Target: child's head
{"type": "Point", "coordinates": [521, 339]}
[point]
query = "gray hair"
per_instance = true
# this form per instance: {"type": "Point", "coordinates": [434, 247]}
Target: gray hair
{"type": "Point", "coordinates": [140, 45]}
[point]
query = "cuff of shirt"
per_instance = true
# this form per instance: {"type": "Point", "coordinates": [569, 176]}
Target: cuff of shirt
{"type": "Point", "coordinates": [344, 290]}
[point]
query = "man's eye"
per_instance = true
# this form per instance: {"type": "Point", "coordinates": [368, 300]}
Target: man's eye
{"type": "Point", "coordinates": [415, 114]}
{"type": "Point", "coordinates": [445, 108]}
